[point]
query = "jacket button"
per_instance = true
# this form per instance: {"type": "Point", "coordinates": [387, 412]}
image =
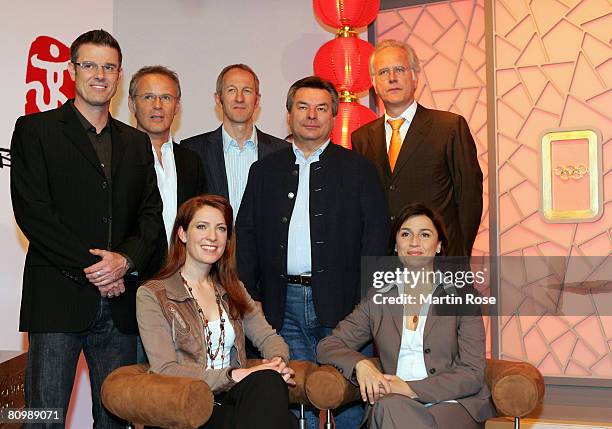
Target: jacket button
{"type": "Point", "coordinates": [284, 219]}
{"type": "Point", "coordinates": [295, 172]}
{"type": "Point", "coordinates": [282, 246]}
{"type": "Point", "coordinates": [104, 184]}
{"type": "Point", "coordinates": [290, 195]}
{"type": "Point", "coordinates": [432, 371]}
{"type": "Point", "coordinates": [392, 188]}
{"type": "Point", "coordinates": [427, 350]}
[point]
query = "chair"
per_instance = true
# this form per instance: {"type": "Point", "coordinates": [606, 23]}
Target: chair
{"type": "Point", "coordinates": [517, 388]}
{"type": "Point", "coordinates": [140, 397]}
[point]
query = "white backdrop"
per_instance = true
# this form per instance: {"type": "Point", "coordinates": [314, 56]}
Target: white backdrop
{"type": "Point", "coordinates": [277, 38]}
{"type": "Point", "coordinates": [197, 38]}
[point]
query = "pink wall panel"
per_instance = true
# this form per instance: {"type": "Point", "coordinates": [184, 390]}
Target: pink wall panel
{"type": "Point", "coordinates": [449, 38]}
{"type": "Point", "coordinates": [552, 70]}
{"type": "Point", "coordinates": [552, 67]}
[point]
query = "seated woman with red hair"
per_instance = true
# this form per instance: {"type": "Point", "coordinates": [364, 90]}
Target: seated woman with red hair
{"type": "Point", "coordinates": [193, 318]}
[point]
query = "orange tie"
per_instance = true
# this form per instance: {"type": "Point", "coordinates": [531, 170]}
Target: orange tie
{"type": "Point", "coordinates": [396, 141]}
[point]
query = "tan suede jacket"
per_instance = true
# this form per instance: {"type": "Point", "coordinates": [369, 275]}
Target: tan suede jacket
{"type": "Point", "coordinates": [173, 335]}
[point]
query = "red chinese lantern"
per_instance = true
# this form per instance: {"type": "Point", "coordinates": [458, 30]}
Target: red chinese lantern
{"type": "Point", "coordinates": [346, 13]}
{"type": "Point", "coordinates": [351, 115]}
{"type": "Point", "coordinates": [345, 62]}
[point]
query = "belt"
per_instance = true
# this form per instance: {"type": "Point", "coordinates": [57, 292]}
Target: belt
{"type": "Point", "coordinates": [299, 280]}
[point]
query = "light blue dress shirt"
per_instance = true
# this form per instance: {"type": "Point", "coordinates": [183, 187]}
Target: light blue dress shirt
{"type": "Point", "coordinates": [299, 261]}
{"type": "Point", "coordinates": [237, 164]}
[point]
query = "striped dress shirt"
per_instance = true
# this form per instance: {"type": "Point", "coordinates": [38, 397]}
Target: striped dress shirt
{"type": "Point", "coordinates": [237, 164]}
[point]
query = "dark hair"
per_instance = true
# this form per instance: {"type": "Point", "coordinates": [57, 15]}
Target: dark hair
{"type": "Point", "coordinates": [317, 83]}
{"type": "Point", "coordinates": [161, 70]}
{"type": "Point", "coordinates": [224, 270]}
{"type": "Point", "coordinates": [95, 37]}
{"type": "Point", "coordinates": [226, 69]}
{"type": "Point", "coordinates": [419, 209]}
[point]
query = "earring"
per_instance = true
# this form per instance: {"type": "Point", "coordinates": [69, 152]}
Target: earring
{"type": "Point", "coordinates": [395, 249]}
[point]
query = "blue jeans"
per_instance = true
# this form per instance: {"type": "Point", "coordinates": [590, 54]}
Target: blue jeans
{"type": "Point", "coordinates": [53, 357]}
{"type": "Point", "coordinates": [141, 355]}
{"type": "Point", "coordinates": [302, 332]}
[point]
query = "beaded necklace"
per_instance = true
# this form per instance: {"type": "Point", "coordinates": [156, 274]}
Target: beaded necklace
{"type": "Point", "coordinates": [207, 332]}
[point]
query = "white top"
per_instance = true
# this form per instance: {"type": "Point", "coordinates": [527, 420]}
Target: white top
{"type": "Point", "coordinates": [166, 183]}
{"type": "Point", "coordinates": [230, 337]}
{"type": "Point", "coordinates": [411, 360]}
{"type": "Point", "coordinates": [408, 115]}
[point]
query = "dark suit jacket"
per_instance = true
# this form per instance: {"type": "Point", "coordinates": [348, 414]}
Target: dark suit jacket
{"type": "Point", "coordinates": [209, 146]}
{"type": "Point", "coordinates": [348, 219]}
{"type": "Point", "coordinates": [453, 345]}
{"type": "Point", "coordinates": [190, 182]}
{"type": "Point", "coordinates": [437, 166]}
{"type": "Point", "coordinates": [65, 205]}
{"type": "Point", "coordinates": [190, 177]}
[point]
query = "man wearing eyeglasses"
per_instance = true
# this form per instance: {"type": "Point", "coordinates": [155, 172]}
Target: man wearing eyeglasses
{"type": "Point", "coordinates": [84, 194]}
{"type": "Point", "coordinates": [155, 96]}
{"type": "Point", "coordinates": [421, 155]}
{"type": "Point", "coordinates": [228, 152]}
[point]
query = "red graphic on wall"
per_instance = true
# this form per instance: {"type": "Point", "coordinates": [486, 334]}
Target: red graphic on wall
{"type": "Point", "coordinates": [48, 83]}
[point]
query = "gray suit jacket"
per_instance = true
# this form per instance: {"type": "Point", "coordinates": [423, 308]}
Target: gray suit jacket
{"type": "Point", "coordinates": [209, 146]}
{"type": "Point", "coordinates": [453, 345]}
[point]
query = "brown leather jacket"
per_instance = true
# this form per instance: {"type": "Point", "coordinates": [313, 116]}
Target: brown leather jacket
{"type": "Point", "coordinates": [173, 335]}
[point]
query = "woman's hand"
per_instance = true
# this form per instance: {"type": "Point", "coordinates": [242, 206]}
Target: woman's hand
{"type": "Point", "coordinates": [279, 365]}
{"type": "Point", "coordinates": [399, 386]}
{"type": "Point", "coordinates": [275, 364]}
{"type": "Point", "coordinates": [372, 383]}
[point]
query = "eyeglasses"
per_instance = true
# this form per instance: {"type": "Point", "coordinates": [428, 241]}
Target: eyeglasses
{"type": "Point", "coordinates": [151, 98]}
{"type": "Point", "coordinates": [398, 70]}
{"type": "Point", "coordinates": [91, 67]}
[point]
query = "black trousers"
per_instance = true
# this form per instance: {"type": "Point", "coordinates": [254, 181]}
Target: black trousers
{"type": "Point", "coordinates": [259, 401]}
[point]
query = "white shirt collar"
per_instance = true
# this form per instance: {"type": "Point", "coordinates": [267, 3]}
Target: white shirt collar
{"type": "Point", "coordinates": [167, 147]}
{"type": "Point", "coordinates": [407, 114]}
{"type": "Point", "coordinates": [169, 143]}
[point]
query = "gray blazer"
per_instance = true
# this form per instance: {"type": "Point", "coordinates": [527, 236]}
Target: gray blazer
{"type": "Point", "coordinates": [453, 345]}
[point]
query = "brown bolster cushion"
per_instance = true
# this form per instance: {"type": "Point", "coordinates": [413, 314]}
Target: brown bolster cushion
{"type": "Point", "coordinates": [327, 389]}
{"type": "Point", "coordinates": [517, 388]}
{"type": "Point", "coordinates": [133, 394]}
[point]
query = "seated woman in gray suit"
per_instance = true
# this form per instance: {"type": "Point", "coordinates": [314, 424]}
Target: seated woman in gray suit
{"type": "Point", "coordinates": [432, 350]}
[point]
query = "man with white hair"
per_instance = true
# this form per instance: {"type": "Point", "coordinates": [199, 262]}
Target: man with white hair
{"type": "Point", "coordinates": [420, 154]}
